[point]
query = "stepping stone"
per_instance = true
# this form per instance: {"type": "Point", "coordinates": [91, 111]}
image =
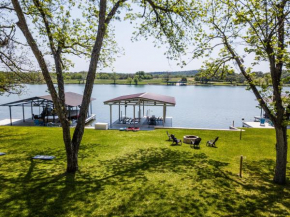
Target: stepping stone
{"type": "Point", "coordinates": [43, 157]}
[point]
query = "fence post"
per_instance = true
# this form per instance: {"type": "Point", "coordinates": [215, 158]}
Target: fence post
{"type": "Point", "coordinates": [241, 166]}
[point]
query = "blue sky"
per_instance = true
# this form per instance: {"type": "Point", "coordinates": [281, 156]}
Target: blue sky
{"type": "Point", "coordinates": [143, 56]}
{"type": "Point", "coordinates": [139, 56]}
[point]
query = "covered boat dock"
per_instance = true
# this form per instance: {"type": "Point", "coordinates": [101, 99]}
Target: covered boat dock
{"type": "Point", "coordinates": [47, 116]}
{"type": "Point", "coordinates": [140, 100]}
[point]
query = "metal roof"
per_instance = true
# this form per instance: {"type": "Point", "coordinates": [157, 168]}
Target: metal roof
{"type": "Point", "coordinates": [149, 98]}
{"type": "Point", "coordinates": [71, 99]}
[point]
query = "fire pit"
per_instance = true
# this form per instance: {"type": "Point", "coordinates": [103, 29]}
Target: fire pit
{"type": "Point", "coordinates": [189, 139]}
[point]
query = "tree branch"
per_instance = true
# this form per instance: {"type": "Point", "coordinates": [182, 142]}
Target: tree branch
{"type": "Point", "coordinates": [46, 23]}
{"type": "Point", "coordinates": [56, 53]}
{"type": "Point", "coordinates": [22, 24]}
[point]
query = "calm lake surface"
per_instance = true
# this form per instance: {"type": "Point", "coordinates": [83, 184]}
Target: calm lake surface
{"type": "Point", "coordinates": [196, 106]}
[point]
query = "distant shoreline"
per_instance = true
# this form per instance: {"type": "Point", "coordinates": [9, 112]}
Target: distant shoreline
{"type": "Point", "coordinates": [157, 82]}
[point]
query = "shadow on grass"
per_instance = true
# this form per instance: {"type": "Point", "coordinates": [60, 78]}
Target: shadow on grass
{"type": "Point", "coordinates": [147, 182]}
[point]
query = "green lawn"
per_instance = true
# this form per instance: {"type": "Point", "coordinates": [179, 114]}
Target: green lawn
{"type": "Point", "coordinates": [140, 174]}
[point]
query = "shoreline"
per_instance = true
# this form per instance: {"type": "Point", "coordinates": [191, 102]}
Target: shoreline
{"type": "Point", "coordinates": [212, 84]}
{"type": "Point", "coordinates": [160, 84]}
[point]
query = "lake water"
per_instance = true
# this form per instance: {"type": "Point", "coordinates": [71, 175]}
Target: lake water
{"type": "Point", "coordinates": [196, 106]}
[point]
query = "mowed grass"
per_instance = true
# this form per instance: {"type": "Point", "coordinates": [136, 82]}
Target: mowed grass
{"type": "Point", "coordinates": [140, 174]}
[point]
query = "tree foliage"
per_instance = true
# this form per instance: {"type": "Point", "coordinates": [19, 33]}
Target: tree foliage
{"type": "Point", "coordinates": [258, 29]}
{"type": "Point", "coordinates": [16, 68]}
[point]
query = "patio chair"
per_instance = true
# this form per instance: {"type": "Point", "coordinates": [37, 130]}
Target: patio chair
{"type": "Point", "coordinates": [262, 122]}
{"type": "Point", "coordinates": [169, 136]}
{"type": "Point", "coordinates": [195, 143]}
{"type": "Point", "coordinates": [128, 121]}
{"type": "Point", "coordinates": [38, 122]}
{"type": "Point", "coordinates": [212, 142]}
{"type": "Point", "coordinates": [175, 141]}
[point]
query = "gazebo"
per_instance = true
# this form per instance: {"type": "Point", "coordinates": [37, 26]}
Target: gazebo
{"type": "Point", "coordinates": [140, 100]}
{"type": "Point", "coordinates": [72, 102]}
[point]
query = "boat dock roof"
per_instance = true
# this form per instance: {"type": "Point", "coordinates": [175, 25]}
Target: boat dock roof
{"type": "Point", "coordinates": [71, 99]}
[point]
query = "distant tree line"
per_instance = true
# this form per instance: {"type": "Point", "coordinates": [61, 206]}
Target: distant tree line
{"type": "Point", "coordinates": [205, 78]}
{"type": "Point", "coordinates": [260, 78]}
{"type": "Point", "coordinates": [124, 76]}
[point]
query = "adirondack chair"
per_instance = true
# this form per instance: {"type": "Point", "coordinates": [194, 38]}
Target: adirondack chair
{"type": "Point", "coordinates": [212, 142]}
{"type": "Point", "coordinates": [169, 136]}
{"type": "Point", "coordinates": [195, 143]}
{"type": "Point", "coordinates": [175, 141]}
{"type": "Point", "coordinates": [262, 122]}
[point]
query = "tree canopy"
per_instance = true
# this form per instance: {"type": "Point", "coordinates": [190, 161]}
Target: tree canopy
{"type": "Point", "coordinates": [258, 29]}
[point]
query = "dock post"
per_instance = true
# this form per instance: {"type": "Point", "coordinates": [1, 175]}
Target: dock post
{"type": "Point", "coordinates": [164, 116]}
{"type": "Point", "coordinates": [165, 113]}
{"type": "Point", "coordinates": [143, 108]}
{"type": "Point", "coordinates": [125, 109]}
{"type": "Point", "coordinates": [23, 112]}
{"type": "Point", "coordinates": [110, 116]}
{"type": "Point", "coordinates": [119, 112]}
{"type": "Point", "coordinates": [31, 111]}
{"type": "Point", "coordinates": [134, 114]}
{"type": "Point", "coordinates": [91, 106]}
{"type": "Point", "coordinates": [10, 116]}
{"type": "Point", "coordinates": [139, 113]}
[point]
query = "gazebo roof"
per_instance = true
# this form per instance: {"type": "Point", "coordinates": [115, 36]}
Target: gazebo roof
{"type": "Point", "coordinates": [155, 99]}
{"type": "Point", "coordinates": [71, 99]}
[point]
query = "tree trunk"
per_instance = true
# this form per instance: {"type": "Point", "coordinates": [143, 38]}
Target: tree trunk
{"type": "Point", "coordinates": [79, 130]}
{"type": "Point", "coordinates": [281, 155]}
{"type": "Point", "coordinates": [72, 160]}
{"type": "Point", "coordinates": [71, 150]}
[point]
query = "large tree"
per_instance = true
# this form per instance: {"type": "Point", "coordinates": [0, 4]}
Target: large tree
{"type": "Point", "coordinates": [49, 28]}
{"type": "Point", "coordinates": [260, 30]}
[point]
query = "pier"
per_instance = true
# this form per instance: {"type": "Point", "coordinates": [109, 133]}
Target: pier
{"type": "Point", "coordinates": [138, 102]}
{"type": "Point", "coordinates": [48, 115]}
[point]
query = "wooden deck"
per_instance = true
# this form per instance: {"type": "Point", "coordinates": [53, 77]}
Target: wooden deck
{"type": "Point", "coordinates": [7, 121]}
{"type": "Point", "coordinates": [30, 122]}
{"type": "Point", "coordinates": [257, 125]}
{"type": "Point", "coordinates": [17, 122]}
